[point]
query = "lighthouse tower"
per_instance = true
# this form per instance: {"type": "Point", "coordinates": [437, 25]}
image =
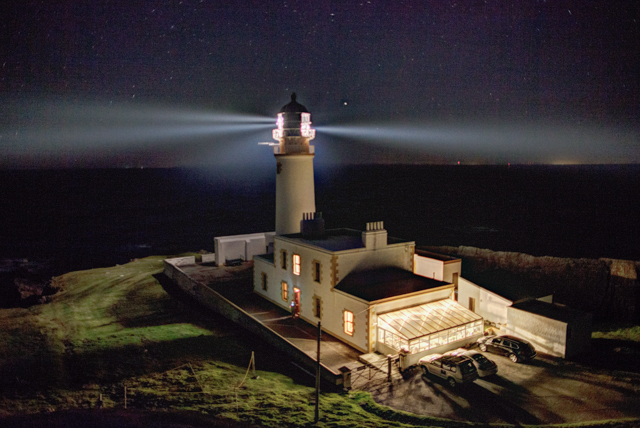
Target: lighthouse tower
{"type": "Point", "coordinates": [295, 192]}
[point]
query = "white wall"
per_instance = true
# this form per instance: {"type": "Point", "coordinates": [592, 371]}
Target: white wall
{"type": "Point", "coordinates": [334, 266]}
{"type": "Point", "coordinates": [450, 268]}
{"type": "Point", "coordinates": [467, 289]}
{"type": "Point", "coordinates": [241, 246]}
{"type": "Point", "coordinates": [333, 321]}
{"type": "Point", "coordinates": [488, 305]}
{"type": "Point", "coordinates": [428, 267]}
{"type": "Point", "coordinates": [493, 307]}
{"type": "Point", "coordinates": [273, 291]}
{"type": "Point", "coordinates": [546, 335]}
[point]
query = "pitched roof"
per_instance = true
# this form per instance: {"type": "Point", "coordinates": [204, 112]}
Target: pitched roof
{"type": "Point", "coordinates": [427, 318]}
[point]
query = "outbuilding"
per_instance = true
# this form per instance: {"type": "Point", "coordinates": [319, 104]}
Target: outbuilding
{"type": "Point", "coordinates": [552, 328]}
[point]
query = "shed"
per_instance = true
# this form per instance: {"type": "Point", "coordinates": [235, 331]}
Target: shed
{"type": "Point", "coordinates": [552, 328]}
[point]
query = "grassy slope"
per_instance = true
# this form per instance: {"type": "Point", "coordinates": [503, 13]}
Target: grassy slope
{"type": "Point", "coordinates": [115, 327]}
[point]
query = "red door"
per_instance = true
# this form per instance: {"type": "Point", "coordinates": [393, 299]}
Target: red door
{"type": "Point", "coordinates": [296, 302]}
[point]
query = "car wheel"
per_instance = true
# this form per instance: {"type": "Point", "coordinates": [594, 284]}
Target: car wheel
{"type": "Point", "coordinates": [513, 357]}
{"type": "Point", "coordinates": [452, 382]}
{"type": "Point", "coordinates": [424, 370]}
{"type": "Point", "coordinates": [483, 347]}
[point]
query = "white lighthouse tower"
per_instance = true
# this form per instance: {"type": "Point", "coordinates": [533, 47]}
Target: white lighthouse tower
{"type": "Point", "coordinates": [295, 191]}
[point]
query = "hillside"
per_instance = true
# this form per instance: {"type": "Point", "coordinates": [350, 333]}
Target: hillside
{"type": "Point", "coordinates": [114, 327]}
{"type": "Point", "coordinates": [122, 326]}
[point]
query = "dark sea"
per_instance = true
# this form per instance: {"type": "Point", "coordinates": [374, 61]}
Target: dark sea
{"type": "Point", "coordinates": [79, 219]}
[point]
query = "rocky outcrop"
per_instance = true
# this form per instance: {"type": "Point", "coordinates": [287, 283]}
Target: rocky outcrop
{"type": "Point", "coordinates": [608, 288]}
{"type": "Point", "coordinates": [23, 283]}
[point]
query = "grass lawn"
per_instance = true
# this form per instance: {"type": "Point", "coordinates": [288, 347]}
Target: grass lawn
{"type": "Point", "coordinates": [628, 333]}
{"type": "Point", "coordinates": [117, 327]}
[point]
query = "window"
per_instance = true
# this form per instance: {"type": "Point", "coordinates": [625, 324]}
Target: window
{"type": "Point", "coordinates": [316, 271]}
{"type": "Point", "coordinates": [347, 318]}
{"type": "Point", "coordinates": [296, 264]}
{"type": "Point", "coordinates": [284, 259]}
{"type": "Point", "coordinates": [264, 281]}
{"type": "Point", "coordinates": [285, 291]}
{"type": "Point", "coordinates": [317, 307]}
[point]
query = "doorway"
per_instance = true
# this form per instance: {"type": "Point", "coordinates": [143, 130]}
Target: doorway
{"type": "Point", "coordinates": [295, 305]}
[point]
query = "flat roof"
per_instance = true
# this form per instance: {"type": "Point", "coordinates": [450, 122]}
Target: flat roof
{"type": "Point", "coordinates": [431, 255]}
{"type": "Point", "coordinates": [378, 284]}
{"type": "Point", "coordinates": [426, 319]}
{"type": "Point", "coordinates": [269, 256]}
{"type": "Point", "coordinates": [338, 239]}
{"type": "Point", "coordinates": [509, 285]}
{"type": "Point", "coordinates": [552, 311]}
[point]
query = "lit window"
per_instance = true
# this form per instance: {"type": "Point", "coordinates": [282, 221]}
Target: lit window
{"type": "Point", "coordinates": [284, 259]}
{"type": "Point", "coordinates": [348, 322]}
{"type": "Point", "coordinates": [264, 281]}
{"type": "Point", "coordinates": [285, 291]}
{"type": "Point", "coordinates": [296, 264]}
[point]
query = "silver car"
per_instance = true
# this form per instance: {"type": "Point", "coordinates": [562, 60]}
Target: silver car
{"type": "Point", "coordinates": [484, 366]}
{"type": "Point", "coordinates": [455, 369]}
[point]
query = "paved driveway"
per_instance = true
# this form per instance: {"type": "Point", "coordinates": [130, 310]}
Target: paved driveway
{"type": "Point", "coordinates": [545, 390]}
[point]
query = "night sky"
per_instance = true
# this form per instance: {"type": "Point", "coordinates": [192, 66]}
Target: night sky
{"type": "Point", "coordinates": [180, 83]}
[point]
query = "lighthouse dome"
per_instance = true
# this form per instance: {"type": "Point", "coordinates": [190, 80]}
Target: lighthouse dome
{"type": "Point", "coordinates": [294, 106]}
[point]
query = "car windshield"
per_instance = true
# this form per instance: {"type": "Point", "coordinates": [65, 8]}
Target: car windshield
{"type": "Point", "coordinates": [481, 360]}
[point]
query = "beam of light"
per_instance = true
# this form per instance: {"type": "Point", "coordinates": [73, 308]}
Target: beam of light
{"type": "Point", "coordinates": [550, 143]}
{"type": "Point", "coordinates": [47, 141]}
{"type": "Point", "coordinates": [46, 128]}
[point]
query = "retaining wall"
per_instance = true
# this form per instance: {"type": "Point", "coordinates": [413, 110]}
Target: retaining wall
{"type": "Point", "coordinates": [608, 288]}
{"type": "Point", "coordinates": [231, 311]}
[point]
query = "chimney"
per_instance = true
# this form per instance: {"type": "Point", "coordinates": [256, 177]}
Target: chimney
{"type": "Point", "coordinates": [375, 237]}
{"type": "Point", "coordinates": [312, 225]}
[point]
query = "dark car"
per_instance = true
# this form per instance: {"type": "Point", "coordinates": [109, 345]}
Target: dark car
{"type": "Point", "coordinates": [514, 348]}
{"type": "Point", "coordinates": [454, 369]}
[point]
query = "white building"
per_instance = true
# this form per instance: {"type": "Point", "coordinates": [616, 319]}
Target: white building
{"type": "Point", "coordinates": [497, 293]}
{"type": "Point", "coordinates": [360, 285]}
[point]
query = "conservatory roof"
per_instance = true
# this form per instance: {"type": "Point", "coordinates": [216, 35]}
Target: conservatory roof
{"type": "Point", "coordinates": [426, 319]}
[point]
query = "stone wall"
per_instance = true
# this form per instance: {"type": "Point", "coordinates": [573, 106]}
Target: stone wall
{"type": "Point", "coordinates": [607, 288]}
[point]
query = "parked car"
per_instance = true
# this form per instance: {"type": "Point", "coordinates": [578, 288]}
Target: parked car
{"type": "Point", "coordinates": [484, 366]}
{"type": "Point", "coordinates": [516, 349]}
{"type": "Point", "coordinates": [455, 369]}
